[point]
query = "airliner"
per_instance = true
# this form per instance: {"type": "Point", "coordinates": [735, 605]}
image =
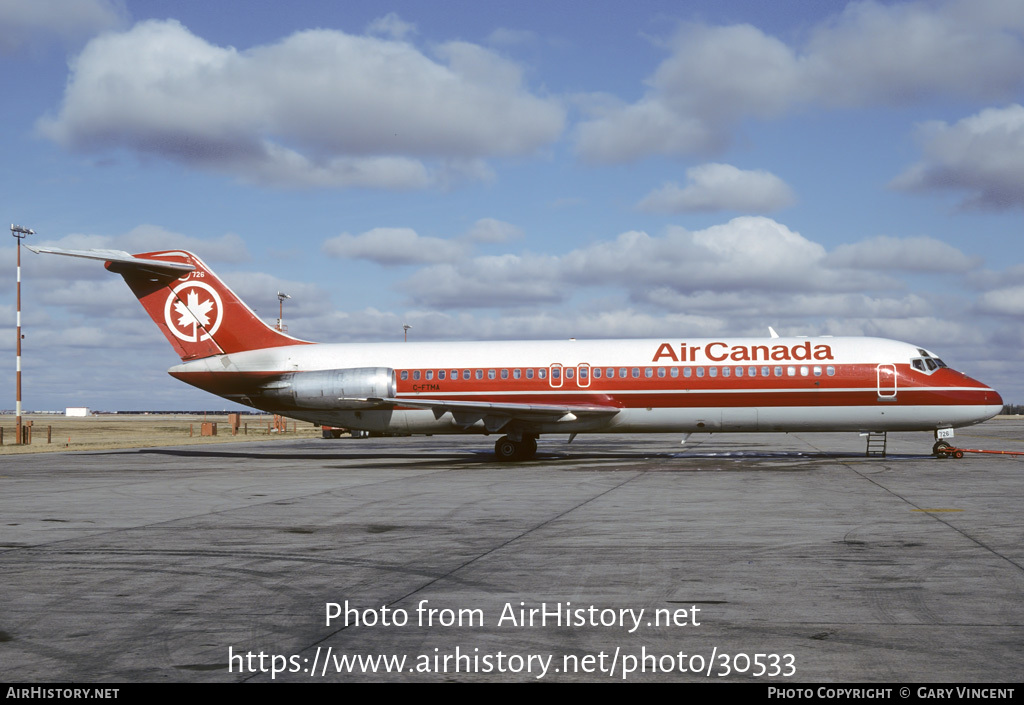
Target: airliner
{"type": "Point", "coordinates": [523, 389]}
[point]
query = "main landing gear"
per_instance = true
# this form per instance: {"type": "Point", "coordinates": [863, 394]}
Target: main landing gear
{"type": "Point", "coordinates": [508, 450]}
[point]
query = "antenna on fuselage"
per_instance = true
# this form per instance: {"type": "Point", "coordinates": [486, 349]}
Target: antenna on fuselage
{"type": "Point", "coordinates": [772, 333]}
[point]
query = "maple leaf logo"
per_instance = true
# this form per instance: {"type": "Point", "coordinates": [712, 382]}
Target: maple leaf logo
{"type": "Point", "coordinates": [193, 313]}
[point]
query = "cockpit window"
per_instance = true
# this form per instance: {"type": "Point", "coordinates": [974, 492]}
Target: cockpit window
{"type": "Point", "coordinates": [928, 357]}
{"type": "Point", "coordinates": [926, 363]}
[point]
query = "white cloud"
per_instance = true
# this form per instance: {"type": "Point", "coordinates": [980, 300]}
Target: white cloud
{"type": "Point", "coordinates": [747, 253]}
{"type": "Point", "coordinates": [393, 246]}
{"type": "Point", "coordinates": [391, 25]}
{"type": "Point", "coordinates": [502, 281]}
{"type": "Point", "coordinates": [645, 128]}
{"type": "Point", "coordinates": [791, 306]}
{"type": "Point", "coordinates": [25, 22]}
{"type": "Point", "coordinates": [318, 108]}
{"type": "Point", "coordinates": [754, 256]}
{"type": "Point", "coordinates": [1007, 301]}
{"type": "Point", "coordinates": [901, 53]}
{"type": "Point", "coordinates": [982, 155]}
{"type": "Point", "coordinates": [717, 187]}
{"type": "Point", "coordinates": [493, 230]}
{"type": "Point", "coordinates": [870, 54]}
{"type": "Point", "coordinates": [374, 324]}
{"type": "Point", "coordinates": [908, 254]}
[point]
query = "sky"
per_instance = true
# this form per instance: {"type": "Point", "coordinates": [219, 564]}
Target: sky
{"type": "Point", "coordinates": [514, 170]}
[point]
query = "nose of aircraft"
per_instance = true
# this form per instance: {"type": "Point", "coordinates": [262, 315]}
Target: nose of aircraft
{"type": "Point", "coordinates": [991, 401]}
{"type": "Point", "coordinates": [994, 398]}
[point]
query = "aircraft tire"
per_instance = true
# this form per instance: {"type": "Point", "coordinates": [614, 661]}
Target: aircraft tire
{"type": "Point", "coordinates": [938, 450]}
{"type": "Point", "coordinates": [506, 450]}
{"type": "Point", "coordinates": [529, 448]}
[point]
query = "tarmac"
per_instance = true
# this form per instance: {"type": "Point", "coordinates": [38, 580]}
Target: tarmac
{"type": "Point", "coordinates": [777, 559]}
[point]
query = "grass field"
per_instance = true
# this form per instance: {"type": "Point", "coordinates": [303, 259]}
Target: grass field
{"type": "Point", "coordinates": [139, 431]}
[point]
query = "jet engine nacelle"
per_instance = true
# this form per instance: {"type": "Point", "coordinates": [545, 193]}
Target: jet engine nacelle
{"type": "Point", "coordinates": [350, 388]}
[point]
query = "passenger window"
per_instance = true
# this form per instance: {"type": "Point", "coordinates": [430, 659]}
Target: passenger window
{"type": "Point", "coordinates": [661, 372]}
{"type": "Point", "coordinates": [726, 371]}
{"type": "Point", "coordinates": [430, 374]}
{"type": "Point", "coordinates": [686, 372]}
{"type": "Point", "coordinates": [713, 371]}
{"type": "Point", "coordinates": [739, 371]}
{"type": "Point", "coordinates": [583, 373]}
{"type": "Point", "coordinates": [504, 374]}
{"type": "Point", "coordinates": [700, 371]}
{"type": "Point", "coordinates": [542, 373]}
{"type": "Point", "coordinates": [610, 373]}
{"type": "Point", "coordinates": [455, 374]}
{"type": "Point", "coordinates": [766, 371]}
{"type": "Point", "coordinates": [830, 370]}
{"type": "Point", "coordinates": [556, 373]}
{"type": "Point", "coordinates": [778, 371]}
{"type": "Point", "coordinates": [405, 374]}
{"type": "Point", "coordinates": [415, 374]}
{"type": "Point", "coordinates": [466, 374]}
{"type": "Point", "coordinates": [817, 370]}
{"type": "Point", "coordinates": [791, 371]}
{"type": "Point", "coordinates": [597, 373]}
{"type": "Point", "coordinates": [529, 373]}
{"type": "Point", "coordinates": [674, 371]}
{"type": "Point", "coordinates": [490, 374]}
{"type": "Point", "coordinates": [804, 370]}
{"type": "Point", "coordinates": [568, 373]}
{"type": "Point", "coordinates": [440, 374]}
{"type": "Point", "coordinates": [623, 372]}
{"type": "Point", "coordinates": [752, 371]}
{"type": "Point", "coordinates": [648, 372]}
{"type": "Point", "coordinates": [479, 374]}
{"type": "Point", "coordinates": [636, 373]}
{"type": "Point", "coordinates": [517, 373]}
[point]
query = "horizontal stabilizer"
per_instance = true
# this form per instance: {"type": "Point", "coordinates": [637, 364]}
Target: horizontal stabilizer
{"type": "Point", "coordinates": [122, 260]}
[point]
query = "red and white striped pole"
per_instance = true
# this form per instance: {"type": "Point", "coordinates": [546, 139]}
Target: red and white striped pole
{"type": "Point", "coordinates": [19, 232]}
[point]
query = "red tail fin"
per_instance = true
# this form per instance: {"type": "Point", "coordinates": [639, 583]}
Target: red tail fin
{"type": "Point", "coordinates": [197, 312]}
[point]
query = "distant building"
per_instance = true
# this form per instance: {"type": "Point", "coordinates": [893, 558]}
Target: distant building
{"type": "Point", "coordinates": [77, 411]}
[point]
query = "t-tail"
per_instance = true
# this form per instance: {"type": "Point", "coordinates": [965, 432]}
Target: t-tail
{"type": "Point", "coordinates": [198, 313]}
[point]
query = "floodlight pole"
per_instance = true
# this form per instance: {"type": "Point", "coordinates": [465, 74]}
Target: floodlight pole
{"type": "Point", "coordinates": [280, 312]}
{"type": "Point", "coordinates": [19, 233]}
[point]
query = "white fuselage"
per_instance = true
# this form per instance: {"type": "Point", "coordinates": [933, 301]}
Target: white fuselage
{"type": "Point", "coordinates": [656, 385]}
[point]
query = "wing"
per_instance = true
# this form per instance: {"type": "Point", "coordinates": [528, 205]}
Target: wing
{"type": "Point", "coordinates": [497, 415]}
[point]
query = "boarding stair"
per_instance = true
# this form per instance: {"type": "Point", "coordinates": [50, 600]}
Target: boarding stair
{"type": "Point", "coordinates": [876, 444]}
